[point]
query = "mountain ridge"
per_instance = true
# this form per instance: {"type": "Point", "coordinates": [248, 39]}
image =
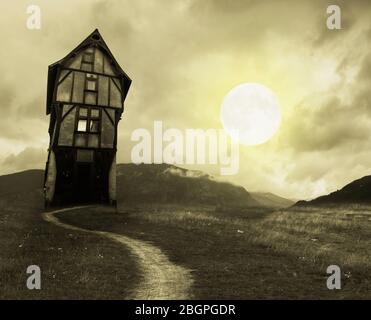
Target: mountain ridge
{"type": "Point", "coordinates": [150, 183]}
{"type": "Point", "coordinates": [164, 183]}
{"type": "Point", "coordinates": [271, 200]}
{"type": "Point", "coordinates": [355, 192]}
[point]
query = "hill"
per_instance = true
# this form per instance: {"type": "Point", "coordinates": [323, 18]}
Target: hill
{"type": "Point", "coordinates": [356, 192]}
{"type": "Point", "coordinates": [151, 183]}
{"type": "Point", "coordinates": [23, 189]}
{"type": "Point", "coordinates": [271, 200]}
{"type": "Point", "coordinates": [21, 182]}
{"type": "Point", "coordinates": [163, 183]}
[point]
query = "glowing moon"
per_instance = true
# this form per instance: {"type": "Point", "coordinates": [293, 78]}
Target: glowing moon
{"type": "Point", "coordinates": [250, 113]}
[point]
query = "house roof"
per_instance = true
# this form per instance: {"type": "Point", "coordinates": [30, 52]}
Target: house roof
{"type": "Point", "coordinates": [96, 39]}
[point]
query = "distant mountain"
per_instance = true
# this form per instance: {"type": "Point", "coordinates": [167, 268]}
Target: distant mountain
{"type": "Point", "coordinates": [149, 183]}
{"type": "Point", "coordinates": [356, 192]}
{"type": "Point", "coordinates": [271, 200]}
{"type": "Point", "coordinates": [164, 183]}
{"type": "Point", "coordinates": [21, 181]}
{"type": "Point", "coordinates": [25, 188]}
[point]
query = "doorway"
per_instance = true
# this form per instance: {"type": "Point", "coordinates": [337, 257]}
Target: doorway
{"type": "Point", "coordinates": [84, 183]}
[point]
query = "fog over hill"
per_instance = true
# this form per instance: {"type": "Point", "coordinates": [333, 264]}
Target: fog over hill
{"type": "Point", "coordinates": [163, 183]}
{"type": "Point", "coordinates": [271, 200]}
{"type": "Point", "coordinates": [152, 183]}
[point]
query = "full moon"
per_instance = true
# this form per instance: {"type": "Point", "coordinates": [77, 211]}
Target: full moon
{"type": "Point", "coordinates": [250, 114]}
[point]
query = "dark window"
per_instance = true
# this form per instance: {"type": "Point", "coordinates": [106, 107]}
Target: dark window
{"type": "Point", "coordinates": [91, 88]}
{"type": "Point", "coordinates": [80, 140]}
{"type": "Point", "coordinates": [83, 112]}
{"type": "Point", "coordinates": [91, 85]}
{"type": "Point", "coordinates": [85, 156]}
{"type": "Point", "coordinates": [94, 113]}
{"type": "Point", "coordinates": [94, 125]}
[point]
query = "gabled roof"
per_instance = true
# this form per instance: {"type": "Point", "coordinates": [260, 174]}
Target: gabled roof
{"type": "Point", "coordinates": [96, 39]}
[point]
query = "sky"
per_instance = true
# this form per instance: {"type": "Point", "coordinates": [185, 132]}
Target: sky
{"type": "Point", "coordinates": [184, 56]}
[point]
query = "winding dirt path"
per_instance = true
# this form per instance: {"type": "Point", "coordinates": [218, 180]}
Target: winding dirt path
{"type": "Point", "coordinates": [162, 279]}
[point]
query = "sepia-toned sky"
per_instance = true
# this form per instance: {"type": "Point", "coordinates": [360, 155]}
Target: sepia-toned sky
{"type": "Point", "coordinates": [184, 56]}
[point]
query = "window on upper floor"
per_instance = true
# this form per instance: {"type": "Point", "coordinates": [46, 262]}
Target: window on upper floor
{"type": "Point", "coordinates": [81, 126]}
{"type": "Point", "coordinates": [88, 129]}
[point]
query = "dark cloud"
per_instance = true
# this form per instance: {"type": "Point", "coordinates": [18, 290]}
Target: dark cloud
{"type": "Point", "coordinates": [331, 125]}
{"type": "Point", "coordinates": [349, 18]}
{"type": "Point", "coordinates": [7, 96]}
{"type": "Point", "coordinates": [365, 71]}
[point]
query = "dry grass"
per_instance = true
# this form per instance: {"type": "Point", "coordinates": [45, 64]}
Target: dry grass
{"type": "Point", "coordinates": [323, 235]}
{"type": "Point", "coordinates": [73, 265]}
{"type": "Point", "coordinates": [233, 254]}
{"type": "Point", "coordinates": [315, 234]}
{"type": "Point", "coordinates": [283, 254]}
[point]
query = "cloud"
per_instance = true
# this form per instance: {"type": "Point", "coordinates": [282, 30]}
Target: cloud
{"type": "Point", "coordinates": [327, 126]}
{"type": "Point", "coordinates": [365, 71]}
{"type": "Point", "coordinates": [7, 96]}
{"type": "Point", "coordinates": [184, 56]}
{"type": "Point", "coordinates": [29, 158]}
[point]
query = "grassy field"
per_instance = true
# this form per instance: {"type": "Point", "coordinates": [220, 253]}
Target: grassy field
{"type": "Point", "coordinates": [242, 255]}
{"type": "Point", "coordinates": [235, 254]}
{"type": "Point", "coordinates": [73, 265]}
